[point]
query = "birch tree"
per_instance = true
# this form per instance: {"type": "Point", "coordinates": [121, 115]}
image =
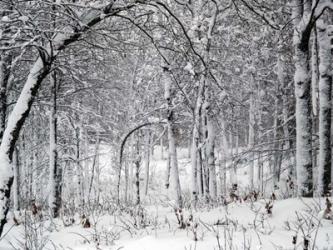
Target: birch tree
{"type": "Point", "coordinates": [169, 99]}
{"type": "Point", "coordinates": [16, 184]}
{"type": "Point", "coordinates": [55, 173]}
{"type": "Point", "coordinates": [325, 108]}
{"type": "Point", "coordinates": [304, 16]}
{"type": "Point", "coordinates": [251, 137]}
{"type": "Point", "coordinates": [303, 105]}
{"type": "Point", "coordinates": [210, 151]}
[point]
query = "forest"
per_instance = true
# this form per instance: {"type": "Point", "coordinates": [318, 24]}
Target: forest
{"type": "Point", "coordinates": [166, 124]}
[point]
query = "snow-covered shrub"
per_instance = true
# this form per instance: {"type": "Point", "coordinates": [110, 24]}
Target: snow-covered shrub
{"type": "Point", "coordinates": [35, 234]}
{"type": "Point", "coordinates": [306, 227]}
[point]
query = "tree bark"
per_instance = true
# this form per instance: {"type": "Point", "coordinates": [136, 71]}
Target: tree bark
{"type": "Point", "coordinates": [147, 159]}
{"type": "Point", "coordinates": [132, 154]}
{"type": "Point", "coordinates": [276, 143]}
{"type": "Point", "coordinates": [325, 110]}
{"type": "Point", "coordinates": [168, 95]}
{"type": "Point", "coordinates": [211, 159]}
{"type": "Point", "coordinates": [251, 140]}
{"type": "Point", "coordinates": [205, 156]}
{"type": "Point", "coordinates": [79, 197]}
{"type": "Point", "coordinates": [126, 170]}
{"type": "Point", "coordinates": [5, 67]}
{"type": "Point", "coordinates": [225, 156]}
{"type": "Point", "coordinates": [195, 142]}
{"type": "Point", "coordinates": [16, 184]}
{"type": "Point", "coordinates": [315, 101]}
{"type": "Point", "coordinates": [4, 76]}
{"type": "Point", "coordinates": [260, 140]}
{"type": "Point", "coordinates": [94, 167]}
{"type": "Point", "coordinates": [137, 172]}
{"type": "Point", "coordinates": [168, 170]}
{"type": "Point", "coordinates": [302, 83]}
{"type": "Point", "coordinates": [55, 172]}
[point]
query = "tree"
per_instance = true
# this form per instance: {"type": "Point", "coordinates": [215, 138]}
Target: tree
{"type": "Point", "coordinates": [305, 16]}
{"type": "Point", "coordinates": [169, 96]}
{"type": "Point", "coordinates": [55, 173]}
{"type": "Point", "coordinates": [325, 109]}
{"type": "Point", "coordinates": [38, 72]}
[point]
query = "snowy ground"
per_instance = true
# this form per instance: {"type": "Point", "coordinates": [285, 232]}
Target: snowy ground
{"type": "Point", "coordinates": [243, 225]}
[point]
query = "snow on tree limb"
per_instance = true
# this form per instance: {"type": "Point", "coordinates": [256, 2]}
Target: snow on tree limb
{"type": "Point", "coordinates": [37, 74]}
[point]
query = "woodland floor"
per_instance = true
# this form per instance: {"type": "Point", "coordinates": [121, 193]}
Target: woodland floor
{"type": "Point", "coordinates": [239, 225]}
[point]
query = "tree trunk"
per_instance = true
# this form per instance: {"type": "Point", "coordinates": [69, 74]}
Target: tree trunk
{"type": "Point", "coordinates": [175, 182]}
{"type": "Point", "coordinates": [137, 172]}
{"type": "Point", "coordinates": [201, 179]}
{"type": "Point", "coordinates": [281, 68]}
{"type": "Point", "coordinates": [55, 170]}
{"type": "Point", "coordinates": [4, 75]}
{"type": "Point", "coordinates": [211, 159]}
{"type": "Point", "coordinates": [97, 186]}
{"type": "Point", "coordinates": [225, 156]}
{"type": "Point", "coordinates": [126, 170]}
{"type": "Point", "coordinates": [79, 199]}
{"type": "Point", "coordinates": [205, 165]}
{"type": "Point", "coordinates": [276, 143]}
{"type": "Point", "coordinates": [5, 66]}
{"type": "Point", "coordinates": [302, 83]}
{"type": "Point", "coordinates": [260, 140]}
{"type": "Point", "coordinates": [132, 154]}
{"type": "Point", "coordinates": [315, 73]}
{"type": "Point", "coordinates": [195, 142]}
{"type": "Point", "coordinates": [25, 169]}
{"type": "Point", "coordinates": [315, 102]}
{"type": "Point", "coordinates": [209, 133]}
{"type": "Point", "coordinates": [251, 140]}
{"type": "Point", "coordinates": [16, 184]}
{"type": "Point", "coordinates": [162, 147]}
{"type": "Point", "coordinates": [94, 167]}
{"type": "Point", "coordinates": [325, 110]}
{"type": "Point", "coordinates": [35, 170]}
{"type": "Point", "coordinates": [168, 170]}
{"type": "Point", "coordinates": [147, 159]}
